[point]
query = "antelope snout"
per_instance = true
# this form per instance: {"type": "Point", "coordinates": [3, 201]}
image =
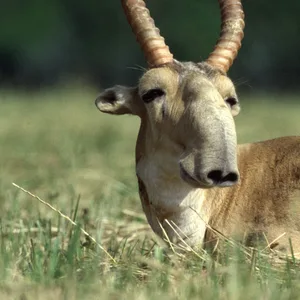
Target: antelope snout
{"type": "Point", "coordinates": [219, 177]}
{"type": "Point", "coordinates": [204, 177]}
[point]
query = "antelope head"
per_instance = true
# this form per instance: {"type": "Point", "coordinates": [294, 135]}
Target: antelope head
{"type": "Point", "coordinates": [186, 109]}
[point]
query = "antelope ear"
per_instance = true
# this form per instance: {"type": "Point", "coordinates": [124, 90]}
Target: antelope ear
{"type": "Point", "coordinates": [119, 100]}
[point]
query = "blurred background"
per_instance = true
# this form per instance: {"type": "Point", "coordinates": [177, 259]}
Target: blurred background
{"type": "Point", "coordinates": [43, 43]}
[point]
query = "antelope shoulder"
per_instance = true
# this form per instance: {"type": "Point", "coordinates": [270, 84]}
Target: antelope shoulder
{"type": "Point", "coordinates": [265, 205]}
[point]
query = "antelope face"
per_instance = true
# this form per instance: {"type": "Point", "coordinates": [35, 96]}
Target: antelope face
{"type": "Point", "coordinates": [186, 111]}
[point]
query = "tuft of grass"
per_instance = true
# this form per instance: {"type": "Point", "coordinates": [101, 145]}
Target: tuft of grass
{"type": "Point", "coordinates": [56, 145]}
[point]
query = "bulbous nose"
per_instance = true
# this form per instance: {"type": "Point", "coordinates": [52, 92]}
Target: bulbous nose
{"type": "Point", "coordinates": [214, 177]}
{"type": "Point", "coordinates": [220, 177]}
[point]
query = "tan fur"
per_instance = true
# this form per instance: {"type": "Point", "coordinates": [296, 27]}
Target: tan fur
{"type": "Point", "coordinates": [266, 201]}
{"type": "Point", "coordinates": [189, 131]}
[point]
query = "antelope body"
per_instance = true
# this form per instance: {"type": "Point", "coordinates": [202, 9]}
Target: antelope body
{"type": "Point", "coordinates": [192, 175]}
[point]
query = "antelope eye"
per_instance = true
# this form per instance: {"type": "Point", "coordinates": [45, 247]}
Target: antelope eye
{"type": "Point", "coordinates": [152, 95]}
{"type": "Point", "coordinates": [231, 101]}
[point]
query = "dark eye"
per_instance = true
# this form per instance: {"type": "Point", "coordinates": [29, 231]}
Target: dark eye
{"type": "Point", "coordinates": [152, 95]}
{"type": "Point", "coordinates": [231, 101]}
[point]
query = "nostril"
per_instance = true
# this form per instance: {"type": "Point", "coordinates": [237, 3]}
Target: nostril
{"type": "Point", "coordinates": [231, 177]}
{"type": "Point", "coordinates": [218, 177]}
{"type": "Point", "coordinates": [215, 176]}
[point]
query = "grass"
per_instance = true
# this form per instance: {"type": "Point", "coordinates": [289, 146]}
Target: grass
{"type": "Point", "coordinates": [59, 147]}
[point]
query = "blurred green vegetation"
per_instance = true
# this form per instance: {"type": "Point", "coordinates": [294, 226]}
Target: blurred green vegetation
{"type": "Point", "coordinates": [43, 42]}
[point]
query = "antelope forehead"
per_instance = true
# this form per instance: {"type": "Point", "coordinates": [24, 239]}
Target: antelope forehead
{"type": "Point", "coordinates": [225, 86]}
{"type": "Point", "coordinates": [164, 78]}
{"type": "Point", "coordinates": [197, 87]}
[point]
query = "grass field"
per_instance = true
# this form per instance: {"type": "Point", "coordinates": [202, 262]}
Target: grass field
{"type": "Point", "coordinates": [58, 146]}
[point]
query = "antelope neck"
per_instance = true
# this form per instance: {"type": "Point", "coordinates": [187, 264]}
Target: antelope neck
{"type": "Point", "coordinates": [171, 203]}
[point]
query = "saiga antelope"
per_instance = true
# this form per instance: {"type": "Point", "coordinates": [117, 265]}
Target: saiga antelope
{"type": "Point", "coordinates": [191, 172]}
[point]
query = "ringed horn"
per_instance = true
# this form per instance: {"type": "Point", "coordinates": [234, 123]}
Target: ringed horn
{"type": "Point", "coordinates": [157, 52]}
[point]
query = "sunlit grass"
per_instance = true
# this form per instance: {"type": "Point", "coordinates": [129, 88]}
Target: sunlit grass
{"type": "Point", "coordinates": [60, 147]}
